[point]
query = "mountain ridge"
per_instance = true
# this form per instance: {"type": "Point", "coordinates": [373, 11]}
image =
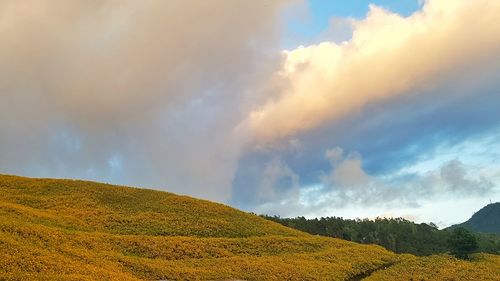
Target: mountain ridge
{"type": "Point", "coordinates": [486, 220]}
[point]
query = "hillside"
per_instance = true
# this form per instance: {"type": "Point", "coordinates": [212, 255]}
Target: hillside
{"type": "Point", "coordinates": [440, 267]}
{"type": "Point", "coordinates": [78, 230]}
{"type": "Point", "coordinates": [486, 220]}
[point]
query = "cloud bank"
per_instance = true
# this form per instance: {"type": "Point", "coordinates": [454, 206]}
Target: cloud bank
{"type": "Point", "coordinates": [196, 97]}
{"type": "Point", "coordinates": [388, 55]}
{"type": "Point", "coordinates": [398, 91]}
{"type": "Point", "coordinates": [141, 93]}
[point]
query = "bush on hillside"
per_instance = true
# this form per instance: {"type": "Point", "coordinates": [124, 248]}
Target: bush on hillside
{"type": "Point", "coordinates": [462, 243]}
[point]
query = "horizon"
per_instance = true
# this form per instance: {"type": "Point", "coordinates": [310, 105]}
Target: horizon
{"type": "Point", "coordinates": [293, 108]}
{"type": "Point", "coordinates": [373, 218]}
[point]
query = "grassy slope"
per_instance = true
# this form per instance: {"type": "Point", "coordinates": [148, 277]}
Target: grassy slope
{"type": "Point", "coordinates": [441, 267]}
{"type": "Point", "coordinates": [77, 230]}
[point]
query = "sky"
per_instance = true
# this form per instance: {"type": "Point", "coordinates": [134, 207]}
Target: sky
{"type": "Point", "coordinates": [291, 108]}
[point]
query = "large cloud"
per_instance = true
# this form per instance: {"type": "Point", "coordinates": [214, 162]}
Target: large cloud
{"type": "Point", "coordinates": [175, 95]}
{"type": "Point", "coordinates": [388, 56]}
{"type": "Point", "coordinates": [403, 91]}
{"type": "Point", "coordinates": [137, 92]}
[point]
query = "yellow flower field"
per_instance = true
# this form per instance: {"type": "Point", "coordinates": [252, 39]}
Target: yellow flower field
{"type": "Point", "coordinates": [77, 230]}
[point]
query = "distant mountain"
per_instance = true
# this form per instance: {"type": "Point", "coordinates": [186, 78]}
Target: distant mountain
{"type": "Point", "coordinates": [486, 220]}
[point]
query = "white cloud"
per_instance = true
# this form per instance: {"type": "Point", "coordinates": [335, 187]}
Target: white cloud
{"type": "Point", "coordinates": [346, 170]}
{"type": "Point", "coordinates": [388, 56]}
{"type": "Point", "coordinates": [347, 186]}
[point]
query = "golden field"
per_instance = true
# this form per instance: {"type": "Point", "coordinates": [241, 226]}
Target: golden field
{"type": "Point", "coordinates": [78, 230]}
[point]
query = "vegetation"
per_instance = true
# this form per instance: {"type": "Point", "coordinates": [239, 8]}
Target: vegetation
{"type": "Point", "coordinates": [78, 230]}
{"type": "Point", "coordinates": [462, 243]}
{"type": "Point", "coordinates": [483, 267]}
{"type": "Point", "coordinates": [398, 235]}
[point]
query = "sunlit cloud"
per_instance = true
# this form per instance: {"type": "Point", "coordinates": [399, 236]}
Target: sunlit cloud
{"type": "Point", "coordinates": [388, 55]}
{"type": "Point", "coordinates": [199, 98]}
{"type": "Point", "coordinates": [160, 83]}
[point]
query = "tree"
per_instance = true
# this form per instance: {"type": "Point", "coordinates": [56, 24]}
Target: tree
{"type": "Point", "coordinates": [462, 243]}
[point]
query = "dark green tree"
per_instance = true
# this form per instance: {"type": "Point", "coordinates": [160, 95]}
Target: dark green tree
{"type": "Point", "coordinates": [462, 243]}
{"type": "Point", "coordinates": [396, 234]}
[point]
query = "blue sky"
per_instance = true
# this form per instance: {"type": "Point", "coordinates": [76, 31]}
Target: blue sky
{"type": "Point", "coordinates": [315, 18]}
{"type": "Point", "coordinates": [399, 120]}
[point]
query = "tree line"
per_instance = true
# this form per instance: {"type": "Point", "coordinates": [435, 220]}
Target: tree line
{"type": "Point", "coordinates": [396, 234]}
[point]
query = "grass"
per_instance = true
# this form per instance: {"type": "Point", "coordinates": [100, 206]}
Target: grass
{"type": "Point", "coordinates": [78, 230]}
{"type": "Point", "coordinates": [441, 267]}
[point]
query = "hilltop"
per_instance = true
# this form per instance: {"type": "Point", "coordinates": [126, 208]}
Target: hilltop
{"type": "Point", "coordinates": [79, 230]}
{"type": "Point", "coordinates": [486, 220]}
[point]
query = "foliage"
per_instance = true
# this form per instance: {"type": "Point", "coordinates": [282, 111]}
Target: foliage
{"type": "Point", "coordinates": [462, 243]}
{"type": "Point", "coordinates": [88, 206]}
{"type": "Point", "coordinates": [482, 267]}
{"type": "Point", "coordinates": [398, 235]}
{"type": "Point", "coordinates": [395, 234]}
{"type": "Point", "coordinates": [77, 230]}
